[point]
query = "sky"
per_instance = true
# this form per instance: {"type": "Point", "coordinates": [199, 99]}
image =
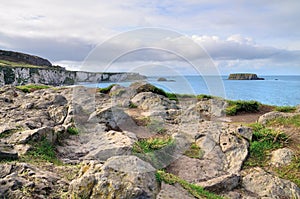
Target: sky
{"type": "Point", "coordinates": [158, 36]}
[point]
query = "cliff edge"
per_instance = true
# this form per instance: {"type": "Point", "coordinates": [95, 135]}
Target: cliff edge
{"type": "Point", "coordinates": [244, 76]}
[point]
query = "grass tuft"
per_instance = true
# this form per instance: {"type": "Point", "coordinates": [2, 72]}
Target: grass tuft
{"type": "Point", "coordinates": [32, 87]}
{"type": "Point", "coordinates": [107, 89]}
{"type": "Point", "coordinates": [194, 151]}
{"type": "Point", "coordinates": [286, 121]}
{"type": "Point", "coordinates": [151, 144]}
{"type": "Point", "coordinates": [73, 130]}
{"type": "Point", "coordinates": [286, 109]}
{"type": "Point", "coordinates": [193, 189]}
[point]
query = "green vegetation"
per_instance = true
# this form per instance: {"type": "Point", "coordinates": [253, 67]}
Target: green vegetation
{"type": "Point", "coordinates": [286, 109]}
{"type": "Point", "coordinates": [286, 121]}
{"type": "Point", "coordinates": [204, 97]}
{"type": "Point", "coordinates": [193, 189]}
{"type": "Point", "coordinates": [42, 151]}
{"type": "Point", "coordinates": [194, 151]}
{"type": "Point", "coordinates": [235, 107]}
{"type": "Point", "coordinates": [132, 105]}
{"type": "Point", "coordinates": [19, 64]}
{"type": "Point", "coordinates": [264, 141]}
{"type": "Point", "coordinates": [106, 90]}
{"type": "Point", "coordinates": [73, 130]}
{"type": "Point", "coordinates": [32, 87]}
{"type": "Point", "coordinates": [151, 144]}
{"type": "Point", "coordinates": [291, 172]}
{"type": "Point", "coordinates": [8, 133]}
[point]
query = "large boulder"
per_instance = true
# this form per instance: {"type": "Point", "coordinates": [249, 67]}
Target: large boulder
{"type": "Point", "coordinates": [126, 177]}
{"type": "Point", "coordinates": [111, 144]}
{"type": "Point", "coordinates": [219, 168]}
{"type": "Point", "coordinates": [266, 185]}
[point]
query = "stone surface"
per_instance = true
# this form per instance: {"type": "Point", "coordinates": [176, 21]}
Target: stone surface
{"type": "Point", "coordinates": [270, 116]}
{"type": "Point", "coordinates": [266, 185]}
{"type": "Point", "coordinates": [7, 152]}
{"type": "Point", "coordinates": [282, 157]}
{"type": "Point", "coordinates": [23, 137]}
{"type": "Point", "coordinates": [120, 177]}
{"type": "Point", "coordinates": [173, 192]}
{"type": "Point", "coordinates": [21, 180]}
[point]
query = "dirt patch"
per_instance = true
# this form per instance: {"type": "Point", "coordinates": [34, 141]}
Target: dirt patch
{"type": "Point", "coordinates": [250, 117]}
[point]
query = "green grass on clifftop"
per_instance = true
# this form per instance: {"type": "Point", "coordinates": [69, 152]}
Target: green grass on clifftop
{"type": "Point", "coordinates": [19, 64]}
{"type": "Point", "coordinates": [235, 107]}
{"type": "Point", "coordinates": [32, 87]}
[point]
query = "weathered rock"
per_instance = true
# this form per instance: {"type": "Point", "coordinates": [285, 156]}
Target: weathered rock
{"type": "Point", "coordinates": [111, 144]}
{"type": "Point", "coordinates": [270, 116]}
{"type": "Point", "coordinates": [173, 192]}
{"type": "Point", "coordinates": [24, 137]}
{"type": "Point", "coordinates": [282, 157]}
{"type": "Point", "coordinates": [268, 186]}
{"type": "Point", "coordinates": [120, 177]}
{"type": "Point", "coordinates": [218, 169]}
{"type": "Point", "coordinates": [21, 180]}
{"type": "Point", "coordinates": [245, 132]}
{"type": "Point", "coordinates": [7, 152]}
{"type": "Point", "coordinates": [113, 117]}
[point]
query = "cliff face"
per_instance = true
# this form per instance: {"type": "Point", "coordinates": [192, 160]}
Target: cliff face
{"type": "Point", "coordinates": [18, 68]}
{"type": "Point", "coordinates": [244, 76]}
{"type": "Point", "coordinates": [23, 75]}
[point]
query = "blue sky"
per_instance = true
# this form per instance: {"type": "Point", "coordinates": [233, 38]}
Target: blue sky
{"type": "Point", "coordinates": [257, 36]}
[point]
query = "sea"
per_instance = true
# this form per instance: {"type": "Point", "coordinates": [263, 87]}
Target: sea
{"type": "Point", "coordinates": [274, 90]}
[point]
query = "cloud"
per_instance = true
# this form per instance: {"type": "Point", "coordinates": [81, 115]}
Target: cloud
{"type": "Point", "coordinates": [251, 32]}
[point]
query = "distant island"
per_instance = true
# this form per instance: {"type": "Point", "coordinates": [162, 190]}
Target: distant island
{"type": "Point", "coordinates": [244, 76]}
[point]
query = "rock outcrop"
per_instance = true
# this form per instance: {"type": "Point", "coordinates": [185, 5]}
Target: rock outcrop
{"type": "Point", "coordinates": [103, 158]}
{"type": "Point", "coordinates": [244, 76]}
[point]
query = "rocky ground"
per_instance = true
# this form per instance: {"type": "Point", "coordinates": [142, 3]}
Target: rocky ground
{"type": "Point", "coordinates": [80, 143]}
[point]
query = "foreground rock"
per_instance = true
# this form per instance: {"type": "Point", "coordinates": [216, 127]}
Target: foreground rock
{"type": "Point", "coordinates": [120, 177]}
{"type": "Point", "coordinates": [263, 184]}
{"type": "Point", "coordinates": [218, 170]}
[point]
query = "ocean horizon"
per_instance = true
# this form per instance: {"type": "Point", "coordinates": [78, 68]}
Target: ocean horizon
{"type": "Point", "coordinates": [278, 90]}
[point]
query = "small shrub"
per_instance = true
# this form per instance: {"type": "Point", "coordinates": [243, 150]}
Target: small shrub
{"type": "Point", "coordinates": [286, 109]}
{"type": "Point", "coordinates": [32, 87]}
{"type": "Point", "coordinates": [73, 130]}
{"type": "Point", "coordinates": [151, 144]}
{"type": "Point", "coordinates": [172, 96]}
{"type": "Point", "coordinates": [235, 107]}
{"type": "Point", "coordinates": [107, 89]}
{"type": "Point", "coordinates": [204, 97]}
{"type": "Point", "coordinates": [195, 190]}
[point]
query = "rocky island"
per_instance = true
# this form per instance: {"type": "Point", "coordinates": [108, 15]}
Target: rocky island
{"type": "Point", "coordinates": [19, 68]}
{"type": "Point", "coordinates": [244, 76]}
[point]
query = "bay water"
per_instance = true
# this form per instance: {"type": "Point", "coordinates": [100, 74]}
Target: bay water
{"type": "Point", "coordinates": [274, 90]}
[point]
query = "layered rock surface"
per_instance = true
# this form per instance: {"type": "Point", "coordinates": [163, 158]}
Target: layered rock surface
{"type": "Point", "coordinates": [99, 161]}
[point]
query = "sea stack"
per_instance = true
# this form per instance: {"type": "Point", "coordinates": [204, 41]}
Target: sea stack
{"type": "Point", "coordinates": [244, 76]}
